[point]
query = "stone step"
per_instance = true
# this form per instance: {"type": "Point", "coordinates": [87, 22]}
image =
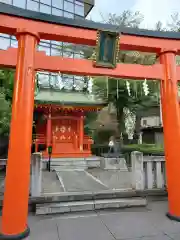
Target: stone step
{"type": "Point", "coordinates": [63, 168]}
{"type": "Point", "coordinates": [74, 164]}
{"type": "Point", "coordinates": [79, 206]}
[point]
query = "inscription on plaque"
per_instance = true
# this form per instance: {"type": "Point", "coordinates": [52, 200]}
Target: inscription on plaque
{"type": "Point", "coordinates": [107, 49]}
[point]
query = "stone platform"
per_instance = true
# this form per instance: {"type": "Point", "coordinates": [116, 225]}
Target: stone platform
{"type": "Point", "coordinates": [148, 223]}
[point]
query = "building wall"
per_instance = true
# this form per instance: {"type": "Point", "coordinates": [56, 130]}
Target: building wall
{"type": "Point", "coordinates": [66, 8]}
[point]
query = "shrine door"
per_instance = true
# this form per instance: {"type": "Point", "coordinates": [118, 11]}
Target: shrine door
{"type": "Point", "coordinates": [64, 136]}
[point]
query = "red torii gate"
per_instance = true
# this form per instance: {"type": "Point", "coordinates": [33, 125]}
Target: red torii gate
{"type": "Point", "coordinates": [29, 27]}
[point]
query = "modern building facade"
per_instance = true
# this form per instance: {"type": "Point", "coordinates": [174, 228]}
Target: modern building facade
{"type": "Point", "coordinates": [66, 8]}
{"type": "Point", "coordinates": [61, 100]}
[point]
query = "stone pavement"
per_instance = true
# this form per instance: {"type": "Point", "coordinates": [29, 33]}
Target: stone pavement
{"type": "Point", "coordinates": [79, 181]}
{"type": "Point", "coordinates": [130, 224]}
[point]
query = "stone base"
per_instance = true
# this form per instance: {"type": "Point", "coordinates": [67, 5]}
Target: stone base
{"type": "Point", "coordinates": [75, 163]}
{"type": "Point", "coordinates": [172, 217]}
{"type": "Point", "coordinates": [113, 164]}
{"type": "Point", "coordinates": [91, 205]}
{"type": "Point", "coordinates": [23, 235]}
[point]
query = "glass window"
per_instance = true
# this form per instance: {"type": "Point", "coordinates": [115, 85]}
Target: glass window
{"type": "Point", "coordinates": [68, 54]}
{"type": "Point", "coordinates": [68, 15]}
{"type": "Point", "coordinates": [13, 37]}
{"type": "Point", "coordinates": [57, 3]}
{"type": "Point", "coordinates": [32, 5]}
{"type": "Point", "coordinates": [6, 1]}
{"type": "Point", "coordinates": [47, 41]}
{"type": "Point", "coordinates": [56, 52]}
{"type": "Point", "coordinates": [14, 43]}
{"type": "Point", "coordinates": [45, 49]}
{"type": "Point", "coordinates": [45, 9]}
{"type": "Point", "coordinates": [4, 43]}
{"type": "Point", "coordinates": [79, 10]}
{"type": "Point", "coordinates": [78, 55]}
{"type": "Point", "coordinates": [54, 80]}
{"type": "Point", "coordinates": [43, 79]}
{"type": "Point", "coordinates": [48, 2]}
{"type": "Point", "coordinates": [78, 17]}
{"type": "Point", "coordinates": [45, 44]}
{"type": "Point", "coordinates": [56, 43]}
{"type": "Point", "coordinates": [57, 12]}
{"type": "Point", "coordinates": [4, 35]}
{"type": "Point", "coordinates": [68, 82]}
{"type": "Point", "coordinates": [68, 6]}
{"type": "Point", "coordinates": [19, 3]}
{"type": "Point", "coordinates": [79, 3]}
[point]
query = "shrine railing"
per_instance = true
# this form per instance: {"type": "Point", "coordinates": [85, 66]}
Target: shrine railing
{"type": "Point", "coordinates": [39, 139]}
{"type": "Point", "coordinates": [87, 143]}
{"type": "Point", "coordinates": [148, 172]}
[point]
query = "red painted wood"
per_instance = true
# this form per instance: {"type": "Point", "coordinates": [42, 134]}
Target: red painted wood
{"type": "Point", "coordinates": [9, 25]}
{"type": "Point", "coordinates": [66, 137]}
{"type": "Point", "coordinates": [71, 66]}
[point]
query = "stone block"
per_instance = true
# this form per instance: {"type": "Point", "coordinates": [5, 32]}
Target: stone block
{"type": "Point", "coordinates": [120, 203]}
{"type": "Point", "coordinates": [113, 164]}
{"type": "Point", "coordinates": [81, 206]}
{"type": "Point", "coordinates": [36, 174]}
{"type": "Point", "coordinates": [44, 209]}
{"type": "Point", "coordinates": [138, 182]}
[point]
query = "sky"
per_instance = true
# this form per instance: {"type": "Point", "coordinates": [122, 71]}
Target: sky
{"type": "Point", "coordinates": [153, 10]}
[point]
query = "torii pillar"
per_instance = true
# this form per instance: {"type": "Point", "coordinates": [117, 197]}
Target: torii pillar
{"type": "Point", "coordinates": [16, 195]}
{"type": "Point", "coordinates": [171, 123]}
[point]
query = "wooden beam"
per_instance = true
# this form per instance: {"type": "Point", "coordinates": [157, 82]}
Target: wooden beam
{"type": "Point", "coordinates": [50, 31]}
{"type": "Point", "coordinates": [8, 59]}
{"type": "Point", "coordinates": [85, 67]}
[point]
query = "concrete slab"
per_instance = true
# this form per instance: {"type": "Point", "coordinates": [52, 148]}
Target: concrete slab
{"type": "Point", "coordinates": [83, 229]}
{"type": "Point", "coordinates": [50, 183]}
{"type": "Point", "coordinates": [44, 230]}
{"type": "Point", "coordinates": [111, 225]}
{"type": "Point", "coordinates": [130, 225]}
{"type": "Point", "coordinates": [114, 179]}
{"type": "Point", "coordinates": [74, 181]}
{"type": "Point", "coordinates": [78, 206]}
{"type": "Point", "coordinates": [158, 237]}
{"type": "Point", "coordinates": [174, 236]}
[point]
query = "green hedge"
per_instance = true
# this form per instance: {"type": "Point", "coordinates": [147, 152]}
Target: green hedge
{"type": "Point", "coordinates": [146, 149]}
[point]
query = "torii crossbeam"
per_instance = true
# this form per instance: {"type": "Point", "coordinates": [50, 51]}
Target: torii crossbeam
{"type": "Point", "coordinates": [29, 27]}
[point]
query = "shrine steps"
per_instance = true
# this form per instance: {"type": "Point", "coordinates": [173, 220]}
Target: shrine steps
{"type": "Point", "coordinates": [89, 205]}
{"type": "Point", "coordinates": [84, 154]}
{"type": "Point", "coordinates": [74, 163]}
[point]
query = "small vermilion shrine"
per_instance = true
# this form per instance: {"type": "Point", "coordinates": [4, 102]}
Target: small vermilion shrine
{"type": "Point", "coordinates": [63, 129]}
{"type": "Point", "coordinates": [29, 27]}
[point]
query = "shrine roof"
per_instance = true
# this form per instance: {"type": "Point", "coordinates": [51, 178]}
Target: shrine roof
{"type": "Point", "coordinates": [80, 23]}
{"type": "Point", "coordinates": [67, 98]}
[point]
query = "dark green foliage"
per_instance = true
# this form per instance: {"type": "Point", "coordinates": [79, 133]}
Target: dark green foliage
{"type": "Point", "coordinates": [146, 149]}
{"type": "Point", "coordinates": [6, 92]}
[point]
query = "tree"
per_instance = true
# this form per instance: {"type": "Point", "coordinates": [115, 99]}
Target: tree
{"type": "Point", "coordinates": [5, 115]}
{"type": "Point", "coordinates": [174, 24]}
{"type": "Point", "coordinates": [128, 93]}
{"type": "Point", "coordinates": [126, 19]}
{"type": "Point", "coordinates": [6, 92]}
{"type": "Point", "coordinates": [7, 83]}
